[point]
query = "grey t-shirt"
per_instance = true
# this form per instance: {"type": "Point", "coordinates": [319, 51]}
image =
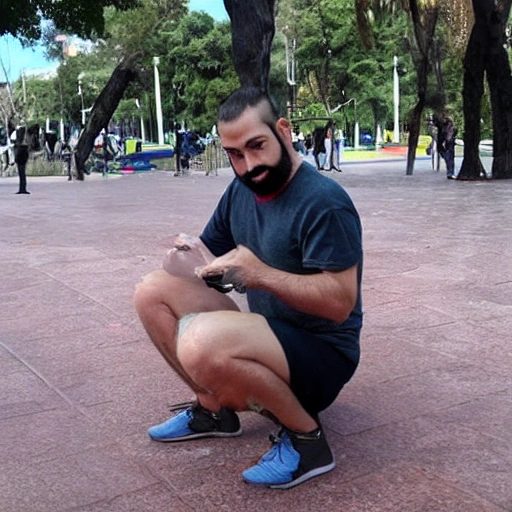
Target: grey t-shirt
{"type": "Point", "coordinates": [312, 225]}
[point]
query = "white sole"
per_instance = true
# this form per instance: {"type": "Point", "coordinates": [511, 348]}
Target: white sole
{"type": "Point", "coordinates": [305, 477]}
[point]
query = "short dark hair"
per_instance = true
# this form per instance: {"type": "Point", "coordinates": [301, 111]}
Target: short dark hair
{"type": "Point", "coordinates": [241, 99]}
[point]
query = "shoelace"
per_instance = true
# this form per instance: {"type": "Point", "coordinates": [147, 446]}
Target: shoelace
{"type": "Point", "coordinates": [274, 438]}
{"type": "Point", "coordinates": [192, 404]}
{"type": "Point", "coordinates": [181, 406]}
{"type": "Point", "coordinates": [275, 450]}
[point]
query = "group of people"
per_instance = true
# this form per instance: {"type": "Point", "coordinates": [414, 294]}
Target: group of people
{"type": "Point", "coordinates": [323, 144]}
{"type": "Point", "coordinates": [291, 239]}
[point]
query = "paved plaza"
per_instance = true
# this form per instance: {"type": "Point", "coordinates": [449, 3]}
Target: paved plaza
{"type": "Point", "coordinates": [425, 425]}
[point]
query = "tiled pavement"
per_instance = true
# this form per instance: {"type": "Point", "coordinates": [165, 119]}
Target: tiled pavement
{"type": "Point", "coordinates": [425, 425]}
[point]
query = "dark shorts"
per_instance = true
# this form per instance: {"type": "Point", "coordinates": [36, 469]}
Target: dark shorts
{"type": "Point", "coordinates": [318, 370]}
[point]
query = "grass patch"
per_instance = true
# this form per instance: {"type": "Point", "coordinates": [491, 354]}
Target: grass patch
{"type": "Point", "coordinates": [42, 167]}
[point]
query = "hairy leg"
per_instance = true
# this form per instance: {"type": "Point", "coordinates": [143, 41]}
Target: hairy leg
{"type": "Point", "coordinates": [237, 362]}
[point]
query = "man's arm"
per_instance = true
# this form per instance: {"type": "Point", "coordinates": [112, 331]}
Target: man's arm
{"type": "Point", "coordinates": [330, 295]}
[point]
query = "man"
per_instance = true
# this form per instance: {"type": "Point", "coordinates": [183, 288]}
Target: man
{"type": "Point", "coordinates": [292, 238]}
{"type": "Point", "coordinates": [319, 137]}
{"type": "Point", "coordinates": [21, 139]}
{"type": "Point", "coordinates": [446, 133]}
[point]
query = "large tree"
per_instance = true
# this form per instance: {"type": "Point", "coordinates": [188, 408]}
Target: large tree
{"type": "Point", "coordinates": [500, 85]}
{"type": "Point", "coordinates": [425, 53]}
{"type": "Point", "coordinates": [424, 50]}
{"type": "Point", "coordinates": [129, 36]}
{"type": "Point", "coordinates": [486, 56]}
{"type": "Point", "coordinates": [424, 15]}
{"type": "Point", "coordinates": [23, 20]}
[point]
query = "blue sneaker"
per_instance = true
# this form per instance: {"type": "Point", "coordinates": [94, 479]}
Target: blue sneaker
{"type": "Point", "coordinates": [293, 459]}
{"type": "Point", "coordinates": [195, 422]}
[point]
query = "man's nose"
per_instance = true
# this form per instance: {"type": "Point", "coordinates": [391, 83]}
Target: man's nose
{"type": "Point", "coordinates": [250, 162]}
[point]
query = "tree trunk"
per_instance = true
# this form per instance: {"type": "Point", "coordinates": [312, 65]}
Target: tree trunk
{"type": "Point", "coordinates": [473, 90]}
{"type": "Point", "coordinates": [500, 86]}
{"type": "Point", "coordinates": [102, 111]}
{"type": "Point", "coordinates": [424, 22]}
{"type": "Point", "coordinates": [252, 33]}
{"type": "Point", "coordinates": [414, 134]}
{"type": "Point", "coordinates": [416, 115]}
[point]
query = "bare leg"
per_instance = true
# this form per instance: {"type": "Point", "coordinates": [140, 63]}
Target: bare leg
{"type": "Point", "coordinates": [236, 361]}
{"type": "Point", "coordinates": [161, 300]}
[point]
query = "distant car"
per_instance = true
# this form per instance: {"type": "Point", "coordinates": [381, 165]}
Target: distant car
{"type": "Point", "coordinates": [485, 146]}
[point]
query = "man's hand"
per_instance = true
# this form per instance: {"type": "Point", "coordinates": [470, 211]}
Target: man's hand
{"type": "Point", "coordinates": [331, 295]}
{"type": "Point", "coordinates": [238, 269]}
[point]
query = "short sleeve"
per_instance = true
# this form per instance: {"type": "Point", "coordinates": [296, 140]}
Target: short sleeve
{"type": "Point", "coordinates": [217, 234]}
{"type": "Point", "coordinates": [334, 241]}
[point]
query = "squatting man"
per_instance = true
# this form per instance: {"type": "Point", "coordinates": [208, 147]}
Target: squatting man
{"type": "Point", "coordinates": [291, 238]}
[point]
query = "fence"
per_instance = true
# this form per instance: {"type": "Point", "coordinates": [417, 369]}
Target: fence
{"type": "Point", "coordinates": [212, 158]}
{"type": "Point", "coordinates": [209, 161]}
{"type": "Point", "coordinates": [37, 165]}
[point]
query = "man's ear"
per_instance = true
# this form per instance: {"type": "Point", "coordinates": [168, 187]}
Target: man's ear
{"type": "Point", "coordinates": [284, 128]}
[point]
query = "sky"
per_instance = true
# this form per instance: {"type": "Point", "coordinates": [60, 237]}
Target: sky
{"type": "Point", "coordinates": [32, 60]}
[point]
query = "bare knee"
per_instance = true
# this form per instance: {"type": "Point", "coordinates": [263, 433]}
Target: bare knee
{"type": "Point", "coordinates": [197, 349]}
{"type": "Point", "coordinates": [149, 290]}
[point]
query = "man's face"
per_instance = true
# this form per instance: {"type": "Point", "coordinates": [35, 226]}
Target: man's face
{"type": "Point", "coordinates": [256, 152]}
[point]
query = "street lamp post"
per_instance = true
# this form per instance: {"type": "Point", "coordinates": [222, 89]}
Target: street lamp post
{"type": "Point", "coordinates": [158, 100]}
{"type": "Point", "coordinates": [396, 101]}
{"type": "Point", "coordinates": [81, 94]}
{"type": "Point", "coordinates": [176, 88]}
{"type": "Point", "coordinates": [356, 123]}
{"type": "Point", "coordinates": [356, 127]}
{"type": "Point", "coordinates": [290, 74]}
{"type": "Point", "coordinates": [142, 130]}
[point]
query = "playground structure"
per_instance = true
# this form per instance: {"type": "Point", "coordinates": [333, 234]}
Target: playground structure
{"type": "Point", "coordinates": [138, 161]}
{"type": "Point", "coordinates": [108, 156]}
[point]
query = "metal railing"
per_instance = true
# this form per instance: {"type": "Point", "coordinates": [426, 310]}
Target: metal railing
{"type": "Point", "coordinates": [212, 159]}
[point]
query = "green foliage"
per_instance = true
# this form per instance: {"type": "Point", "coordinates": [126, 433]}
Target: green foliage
{"type": "Point", "coordinates": [138, 31]}
{"type": "Point", "coordinates": [127, 109]}
{"type": "Point", "coordinates": [38, 95]}
{"type": "Point", "coordinates": [93, 71]}
{"type": "Point", "coordinates": [22, 18]}
{"type": "Point", "coordinates": [196, 70]}
{"type": "Point", "coordinates": [334, 68]}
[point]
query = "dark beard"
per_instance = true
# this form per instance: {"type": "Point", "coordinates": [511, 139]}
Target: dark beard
{"type": "Point", "coordinates": [277, 175]}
